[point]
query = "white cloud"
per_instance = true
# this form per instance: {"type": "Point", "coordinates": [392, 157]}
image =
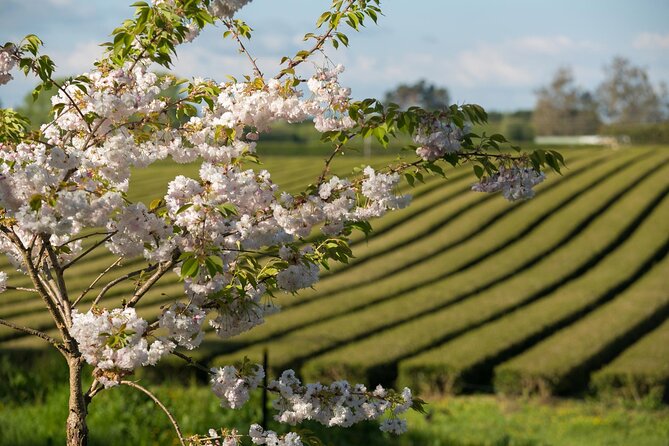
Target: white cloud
{"type": "Point", "coordinates": [272, 42]}
{"type": "Point", "coordinates": [651, 41]}
{"type": "Point", "coordinates": [80, 58]}
{"type": "Point", "coordinates": [487, 64]}
{"type": "Point", "coordinates": [521, 62]}
{"type": "Point", "coordinates": [551, 44]}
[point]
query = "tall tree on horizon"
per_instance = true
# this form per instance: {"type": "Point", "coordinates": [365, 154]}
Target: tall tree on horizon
{"type": "Point", "coordinates": [563, 108]}
{"type": "Point", "coordinates": [420, 94]}
{"type": "Point", "coordinates": [626, 96]}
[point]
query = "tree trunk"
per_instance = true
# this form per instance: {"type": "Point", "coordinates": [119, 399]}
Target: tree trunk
{"type": "Point", "coordinates": [77, 431]}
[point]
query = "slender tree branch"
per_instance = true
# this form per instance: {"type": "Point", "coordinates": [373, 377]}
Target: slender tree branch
{"type": "Point", "coordinates": [20, 288]}
{"type": "Point", "coordinates": [120, 279]}
{"type": "Point", "coordinates": [295, 61]}
{"type": "Point", "coordinates": [33, 332]}
{"type": "Point", "coordinates": [161, 405]}
{"type": "Point", "coordinates": [74, 104]}
{"type": "Point", "coordinates": [93, 390]}
{"type": "Point", "coordinates": [57, 316]}
{"type": "Point", "coordinates": [144, 50]}
{"type": "Point", "coordinates": [328, 161]}
{"type": "Point", "coordinates": [228, 23]}
{"type": "Point", "coordinates": [82, 237]}
{"type": "Point", "coordinates": [95, 282]}
{"type": "Point", "coordinates": [191, 362]}
{"type": "Point", "coordinates": [61, 288]}
{"type": "Point", "coordinates": [88, 251]}
{"type": "Point", "coordinates": [162, 269]}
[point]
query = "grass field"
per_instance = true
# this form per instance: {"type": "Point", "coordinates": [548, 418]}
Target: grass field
{"type": "Point", "coordinates": [457, 421]}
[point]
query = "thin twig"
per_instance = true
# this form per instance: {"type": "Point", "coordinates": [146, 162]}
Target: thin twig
{"type": "Point", "coordinates": [191, 361]}
{"type": "Point", "coordinates": [32, 331]}
{"type": "Point", "coordinates": [61, 288]}
{"type": "Point", "coordinates": [162, 269]}
{"type": "Point", "coordinates": [328, 161]}
{"type": "Point", "coordinates": [20, 288]}
{"type": "Point", "coordinates": [93, 390]}
{"type": "Point", "coordinates": [74, 104]}
{"type": "Point", "coordinates": [243, 49]}
{"type": "Point", "coordinates": [295, 61]}
{"type": "Point", "coordinates": [120, 279]}
{"type": "Point", "coordinates": [57, 316]}
{"type": "Point", "coordinates": [82, 237]}
{"type": "Point", "coordinates": [161, 405]}
{"type": "Point", "coordinates": [95, 282]}
{"type": "Point", "coordinates": [88, 251]}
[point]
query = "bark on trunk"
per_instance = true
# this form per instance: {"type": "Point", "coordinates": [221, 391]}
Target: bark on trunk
{"type": "Point", "coordinates": [77, 431]}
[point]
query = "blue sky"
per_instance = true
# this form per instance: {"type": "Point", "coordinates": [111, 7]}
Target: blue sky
{"type": "Point", "coordinates": [492, 52]}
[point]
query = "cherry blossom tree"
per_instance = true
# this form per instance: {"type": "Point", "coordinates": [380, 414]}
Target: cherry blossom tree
{"type": "Point", "coordinates": [233, 238]}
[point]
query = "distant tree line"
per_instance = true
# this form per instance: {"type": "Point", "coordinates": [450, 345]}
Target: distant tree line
{"type": "Point", "coordinates": [625, 102]}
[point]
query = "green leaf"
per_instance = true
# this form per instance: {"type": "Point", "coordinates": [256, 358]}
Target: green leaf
{"type": "Point", "coordinates": [183, 208]}
{"type": "Point", "coordinates": [190, 267]}
{"type": "Point", "coordinates": [155, 204]}
{"type": "Point", "coordinates": [36, 202]}
{"type": "Point", "coordinates": [325, 16]}
{"type": "Point", "coordinates": [186, 255]}
{"type": "Point", "coordinates": [214, 264]}
{"type": "Point", "coordinates": [418, 405]}
{"type": "Point", "coordinates": [227, 209]}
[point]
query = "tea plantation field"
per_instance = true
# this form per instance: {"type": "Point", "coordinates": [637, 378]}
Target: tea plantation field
{"type": "Point", "coordinates": [462, 291]}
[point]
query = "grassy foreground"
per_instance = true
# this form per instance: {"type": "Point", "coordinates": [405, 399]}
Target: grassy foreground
{"type": "Point", "coordinates": [122, 416]}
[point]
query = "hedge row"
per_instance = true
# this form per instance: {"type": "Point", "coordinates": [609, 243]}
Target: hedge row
{"type": "Point", "coordinates": [563, 254]}
{"type": "Point", "coordinates": [393, 308]}
{"type": "Point", "coordinates": [468, 360]}
{"type": "Point", "coordinates": [455, 219]}
{"type": "Point", "coordinates": [640, 372]}
{"type": "Point", "coordinates": [562, 363]}
{"type": "Point", "coordinates": [421, 276]}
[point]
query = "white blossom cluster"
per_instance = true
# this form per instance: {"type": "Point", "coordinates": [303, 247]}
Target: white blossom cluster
{"type": "Point", "coordinates": [333, 100]}
{"type": "Point", "coordinates": [270, 438]}
{"type": "Point", "coordinates": [336, 204]}
{"type": "Point", "coordinates": [242, 312]}
{"type": "Point", "coordinates": [137, 231]}
{"type": "Point", "coordinates": [196, 207]}
{"type": "Point", "coordinates": [436, 138]}
{"type": "Point", "coordinates": [218, 8]}
{"type": "Point", "coordinates": [184, 324]}
{"type": "Point", "coordinates": [115, 342]}
{"type": "Point", "coordinates": [69, 183]}
{"type": "Point", "coordinates": [31, 192]}
{"type": "Point", "coordinates": [338, 404]}
{"type": "Point", "coordinates": [7, 63]}
{"type": "Point", "coordinates": [226, 8]}
{"type": "Point", "coordinates": [300, 273]}
{"type": "Point", "coordinates": [244, 104]}
{"type": "Point", "coordinates": [114, 95]}
{"type": "Point", "coordinates": [515, 183]}
{"type": "Point", "coordinates": [215, 438]}
{"type": "Point", "coordinates": [232, 386]}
